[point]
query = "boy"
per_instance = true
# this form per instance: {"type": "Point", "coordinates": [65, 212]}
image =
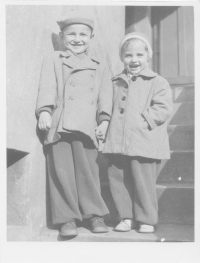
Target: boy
{"type": "Point", "coordinates": [75, 88]}
{"type": "Point", "coordinates": [137, 137]}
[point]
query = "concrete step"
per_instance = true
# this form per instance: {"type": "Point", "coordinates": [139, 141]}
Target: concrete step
{"type": "Point", "coordinates": [18, 233]}
{"type": "Point", "coordinates": [183, 114]}
{"type": "Point", "coordinates": [175, 201]}
{"type": "Point", "coordinates": [183, 93]}
{"type": "Point", "coordinates": [180, 168]}
{"type": "Point", "coordinates": [181, 138]}
{"type": "Point", "coordinates": [163, 233]}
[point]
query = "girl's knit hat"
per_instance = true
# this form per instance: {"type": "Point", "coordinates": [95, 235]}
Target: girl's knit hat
{"type": "Point", "coordinates": [136, 35]}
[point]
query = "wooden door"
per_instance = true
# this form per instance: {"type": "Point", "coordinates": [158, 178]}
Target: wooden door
{"type": "Point", "coordinates": [173, 42]}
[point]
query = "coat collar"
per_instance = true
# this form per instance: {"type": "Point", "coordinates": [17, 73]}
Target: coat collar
{"type": "Point", "coordinates": [68, 53]}
{"type": "Point", "coordinates": [72, 61]}
{"type": "Point", "coordinates": [146, 72]}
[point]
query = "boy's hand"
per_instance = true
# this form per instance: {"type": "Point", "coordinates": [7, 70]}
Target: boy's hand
{"type": "Point", "coordinates": [45, 120]}
{"type": "Point", "coordinates": [101, 130]}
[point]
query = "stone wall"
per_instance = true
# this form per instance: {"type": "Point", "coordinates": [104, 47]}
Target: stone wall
{"type": "Point", "coordinates": [31, 32]}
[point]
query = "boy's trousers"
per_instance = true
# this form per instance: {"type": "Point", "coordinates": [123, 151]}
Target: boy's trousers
{"type": "Point", "coordinates": [133, 187]}
{"type": "Point", "coordinates": [74, 179]}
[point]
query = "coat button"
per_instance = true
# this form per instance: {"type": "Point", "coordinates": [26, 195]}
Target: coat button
{"type": "Point", "coordinates": [92, 102]}
{"type": "Point", "coordinates": [71, 98]}
{"type": "Point", "coordinates": [123, 98]}
{"type": "Point", "coordinates": [91, 89]}
{"type": "Point", "coordinates": [122, 111]}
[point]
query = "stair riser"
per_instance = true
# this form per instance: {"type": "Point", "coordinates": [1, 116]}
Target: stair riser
{"type": "Point", "coordinates": [183, 94]}
{"type": "Point", "coordinates": [181, 138]}
{"type": "Point", "coordinates": [179, 169]}
{"type": "Point", "coordinates": [176, 205]}
{"type": "Point", "coordinates": [183, 114]}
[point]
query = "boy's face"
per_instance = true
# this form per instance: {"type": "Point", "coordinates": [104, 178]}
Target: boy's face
{"type": "Point", "coordinates": [135, 57]}
{"type": "Point", "coordinates": [77, 37]}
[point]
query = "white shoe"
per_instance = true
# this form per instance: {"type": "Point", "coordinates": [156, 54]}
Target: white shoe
{"type": "Point", "coordinates": [125, 225]}
{"type": "Point", "coordinates": [146, 229]}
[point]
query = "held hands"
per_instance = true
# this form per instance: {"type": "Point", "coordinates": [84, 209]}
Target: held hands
{"type": "Point", "coordinates": [101, 130]}
{"type": "Point", "coordinates": [45, 120]}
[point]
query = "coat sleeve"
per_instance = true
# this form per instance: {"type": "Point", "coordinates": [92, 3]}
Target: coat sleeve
{"type": "Point", "coordinates": [47, 92]}
{"type": "Point", "coordinates": [105, 95]}
{"type": "Point", "coordinates": [161, 104]}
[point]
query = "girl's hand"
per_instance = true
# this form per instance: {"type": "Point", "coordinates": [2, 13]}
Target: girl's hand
{"type": "Point", "coordinates": [45, 120]}
{"type": "Point", "coordinates": [101, 130]}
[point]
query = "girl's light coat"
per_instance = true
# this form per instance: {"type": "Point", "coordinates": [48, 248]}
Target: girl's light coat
{"type": "Point", "coordinates": [141, 107]}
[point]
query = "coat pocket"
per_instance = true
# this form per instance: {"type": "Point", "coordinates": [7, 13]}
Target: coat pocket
{"type": "Point", "coordinates": [141, 123]}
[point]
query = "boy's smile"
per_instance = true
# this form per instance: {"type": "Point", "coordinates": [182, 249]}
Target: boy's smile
{"type": "Point", "coordinates": [77, 37]}
{"type": "Point", "coordinates": [135, 57]}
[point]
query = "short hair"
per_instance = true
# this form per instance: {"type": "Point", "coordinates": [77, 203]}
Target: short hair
{"type": "Point", "coordinates": [129, 42]}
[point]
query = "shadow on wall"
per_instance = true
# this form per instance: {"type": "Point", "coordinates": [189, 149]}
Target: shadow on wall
{"type": "Point", "coordinates": [14, 156]}
{"type": "Point", "coordinates": [57, 43]}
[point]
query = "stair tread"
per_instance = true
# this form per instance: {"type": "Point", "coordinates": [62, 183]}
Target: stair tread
{"type": "Point", "coordinates": [163, 233]}
{"type": "Point", "coordinates": [175, 185]}
{"type": "Point", "coordinates": [185, 102]}
{"type": "Point", "coordinates": [185, 126]}
{"type": "Point", "coordinates": [160, 184]}
{"type": "Point", "coordinates": [182, 151]}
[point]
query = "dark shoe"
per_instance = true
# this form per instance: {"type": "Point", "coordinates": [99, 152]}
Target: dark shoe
{"type": "Point", "coordinates": [98, 225]}
{"type": "Point", "coordinates": [69, 229]}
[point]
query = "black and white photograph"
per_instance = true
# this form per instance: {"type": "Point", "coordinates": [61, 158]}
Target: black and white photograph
{"type": "Point", "coordinates": [100, 130]}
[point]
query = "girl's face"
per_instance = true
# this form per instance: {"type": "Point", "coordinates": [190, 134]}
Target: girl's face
{"type": "Point", "coordinates": [77, 37]}
{"type": "Point", "coordinates": [135, 57]}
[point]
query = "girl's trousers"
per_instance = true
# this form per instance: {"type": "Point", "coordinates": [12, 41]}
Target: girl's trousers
{"type": "Point", "coordinates": [133, 187]}
{"type": "Point", "coordinates": [74, 179]}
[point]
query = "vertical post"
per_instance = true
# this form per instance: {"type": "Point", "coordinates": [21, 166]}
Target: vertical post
{"type": "Point", "coordinates": [181, 41]}
{"type": "Point", "coordinates": [138, 18]}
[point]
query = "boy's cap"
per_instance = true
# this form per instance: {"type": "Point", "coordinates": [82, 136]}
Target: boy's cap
{"type": "Point", "coordinates": [76, 17]}
{"type": "Point", "coordinates": [136, 35]}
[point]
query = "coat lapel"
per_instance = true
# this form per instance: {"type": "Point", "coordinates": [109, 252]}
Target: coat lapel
{"type": "Point", "coordinates": [122, 76]}
{"type": "Point", "coordinates": [73, 62]}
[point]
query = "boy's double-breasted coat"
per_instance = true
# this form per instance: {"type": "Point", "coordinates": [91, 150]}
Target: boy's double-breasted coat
{"type": "Point", "coordinates": [77, 92]}
{"type": "Point", "coordinates": [141, 107]}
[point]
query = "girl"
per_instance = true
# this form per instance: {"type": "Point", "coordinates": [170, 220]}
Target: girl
{"type": "Point", "coordinates": [137, 137]}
